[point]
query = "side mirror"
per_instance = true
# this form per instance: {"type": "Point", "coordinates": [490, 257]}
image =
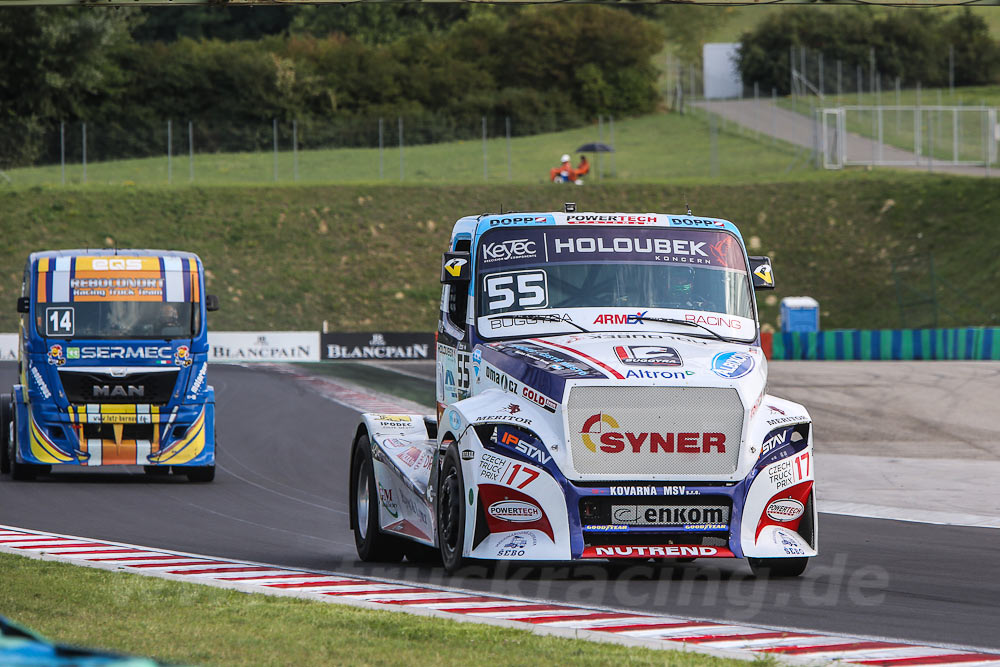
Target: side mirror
{"type": "Point", "coordinates": [211, 302]}
{"type": "Point", "coordinates": [23, 304]}
{"type": "Point", "coordinates": [763, 277]}
{"type": "Point", "coordinates": [456, 267]}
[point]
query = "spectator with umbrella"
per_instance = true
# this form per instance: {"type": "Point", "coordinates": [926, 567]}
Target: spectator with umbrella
{"type": "Point", "coordinates": [565, 173]}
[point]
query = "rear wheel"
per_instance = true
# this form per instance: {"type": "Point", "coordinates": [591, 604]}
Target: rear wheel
{"type": "Point", "coordinates": [373, 545]}
{"type": "Point", "coordinates": [451, 511]}
{"type": "Point", "coordinates": [775, 568]}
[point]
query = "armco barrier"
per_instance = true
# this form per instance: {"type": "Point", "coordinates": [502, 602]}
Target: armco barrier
{"type": "Point", "coordinates": [971, 343]}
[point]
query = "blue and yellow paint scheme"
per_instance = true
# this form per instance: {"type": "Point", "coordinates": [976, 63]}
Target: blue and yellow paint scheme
{"type": "Point", "coordinates": [54, 424]}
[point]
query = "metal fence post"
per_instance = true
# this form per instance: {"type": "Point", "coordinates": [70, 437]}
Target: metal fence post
{"type": "Point", "coordinates": [840, 73]}
{"type": "Point", "coordinates": [951, 70]}
{"type": "Point", "coordinates": [274, 133]}
{"type": "Point", "coordinates": [84, 140]}
{"type": "Point", "coordinates": [380, 147]}
{"type": "Point", "coordinates": [860, 84]}
{"type": "Point", "coordinates": [822, 91]}
{"type": "Point", "coordinates": [62, 150]}
{"type": "Point", "coordinates": [509, 171]}
{"type": "Point", "coordinates": [170, 152]}
{"type": "Point", "coordinates": [295, 149]}
{"type": "Point", "coordinates": [191, 151]}
{"type": "Point", "coordinates": [917, 132]}
{"type": "Point", "coordinates": [880, 135]}
{"type": "Point", "coordinates": [774, 104]}
{"type": "Point", "coordinates": [486, 172]}
{"type": "Point", "coordinates": [898, 104]}
{"type": "Point", "coordinates": [714, 142]}
{"type": "Point", "coordinates": [600, 156]}
{"type": "Point", "coordinates": [954, 135]}
{"type": "Point", "coordinates": [401, 148]}
{"type": "Point", "coordinates": [611, 125]}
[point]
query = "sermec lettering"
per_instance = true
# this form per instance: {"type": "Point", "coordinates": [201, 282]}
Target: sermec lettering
{"type": "Point", "coordinates": [121, 352]}
{"type": "Point", "coordinates": [117, 264]}
{"type": "Point", "coordinates": [630, 245]}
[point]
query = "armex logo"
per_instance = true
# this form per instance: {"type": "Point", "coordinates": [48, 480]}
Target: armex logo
{"type": "Point", "coordinates": [613, 438]}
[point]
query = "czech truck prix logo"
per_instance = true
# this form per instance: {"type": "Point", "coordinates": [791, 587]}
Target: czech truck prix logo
{"type": "Point", "coordinates": [613, 440]}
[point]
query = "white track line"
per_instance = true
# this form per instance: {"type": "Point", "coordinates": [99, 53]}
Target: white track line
{"type": "Point", "coordinates": [539, 617]}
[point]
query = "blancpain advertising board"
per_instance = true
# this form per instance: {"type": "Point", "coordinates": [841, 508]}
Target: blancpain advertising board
{"type": "Point", "coordinates": [8, 347]}
{"type": "Point", "coordinates": [241, 346]}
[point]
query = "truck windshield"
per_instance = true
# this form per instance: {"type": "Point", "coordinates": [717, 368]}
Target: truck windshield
{"type": "Point", "coordinates": [117, 319]}
{"type": "Point", "coordinates": [596, 276]}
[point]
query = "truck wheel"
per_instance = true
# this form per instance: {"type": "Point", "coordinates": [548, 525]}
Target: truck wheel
{"type": "Point", "coordinates": [777, 568]}
{"type": "Point", "coordinates": [451, 511]}
{"type": "Point", "coordinates": [4, 434]}
{"type": "Point", "coordinates": [200, 474]}
{"type": "Point", "coordinates": [373, 545]}
{"type": "Point", "coordinates": [22, 472]}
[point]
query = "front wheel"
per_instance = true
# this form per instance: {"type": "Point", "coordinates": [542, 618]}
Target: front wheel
{"type": "Point", "coordinates": [775, 568]}
{"type": "Point", "coordinates": [373, 545]}
{"type": "Point", "coordinates": [451, 511]}
{"type": "Point", "coordinates": [22, 472]}
{"type": "Point", "coordinates": [5, 404]}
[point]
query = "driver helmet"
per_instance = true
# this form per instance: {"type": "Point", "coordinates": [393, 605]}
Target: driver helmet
{"type": "Point", "coordinates": [682, 281]}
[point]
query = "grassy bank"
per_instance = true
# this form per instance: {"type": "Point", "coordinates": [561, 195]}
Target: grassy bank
{"type": "Point", "coordinates": [656, 148]}
{"type": "Point", "coordinates": [367, 257]}
{"type": "Point", "coordinates": [193, 624]}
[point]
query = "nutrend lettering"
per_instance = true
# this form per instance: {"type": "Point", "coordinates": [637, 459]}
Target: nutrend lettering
{"type": "Point", "coordinates": [613, 441]}
{"type": "Point", "coordinates": [631, 245]}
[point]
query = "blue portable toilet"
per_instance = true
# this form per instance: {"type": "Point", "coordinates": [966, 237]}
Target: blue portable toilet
{"type": "Point", "coordinates": [799, 313]}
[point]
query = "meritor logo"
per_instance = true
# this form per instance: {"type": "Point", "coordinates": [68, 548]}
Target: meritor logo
{"type": "Point", "coordinates": [612, 440]}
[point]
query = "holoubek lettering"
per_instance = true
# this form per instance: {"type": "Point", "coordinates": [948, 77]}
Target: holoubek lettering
{"type": "Point", "coordinates": [630, 245]}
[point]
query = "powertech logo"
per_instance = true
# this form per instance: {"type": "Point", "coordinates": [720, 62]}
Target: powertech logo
{"type": "Point", "coordinates": [613, 438]}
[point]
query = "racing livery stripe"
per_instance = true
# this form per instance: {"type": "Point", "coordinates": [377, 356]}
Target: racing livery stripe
{"type": "Point", "coordinates": [614, 373]}
{"type": "Point", "coordinates": [537, 616]}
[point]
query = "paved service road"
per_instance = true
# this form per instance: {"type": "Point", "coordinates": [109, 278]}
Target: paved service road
{"type": "Point", "coordinates": [279, 498]}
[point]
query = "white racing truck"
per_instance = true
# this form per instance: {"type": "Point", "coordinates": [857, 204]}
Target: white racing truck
{"type": "Point", "coordinates": [601, 394]}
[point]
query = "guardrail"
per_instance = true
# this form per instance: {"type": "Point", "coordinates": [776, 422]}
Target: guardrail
{"type": "Point", "coordinates": [969, 343]}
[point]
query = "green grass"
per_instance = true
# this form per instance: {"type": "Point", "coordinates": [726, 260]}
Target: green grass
{"type": "Point", "coordinates": [655, 148]}
{"type": "Point", "coordinates": [190, 623]}
{"type": "Point", "coordinates": [367, 258]}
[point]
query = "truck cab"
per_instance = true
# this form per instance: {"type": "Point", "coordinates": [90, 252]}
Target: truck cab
{"type": "Point", "coordinates": [601, 394]}
{"type": "Point", "coordinates": [112, 367]}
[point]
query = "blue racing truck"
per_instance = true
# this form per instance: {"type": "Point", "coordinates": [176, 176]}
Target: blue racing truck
{"type": "Point", "coordinates": [112, 363]}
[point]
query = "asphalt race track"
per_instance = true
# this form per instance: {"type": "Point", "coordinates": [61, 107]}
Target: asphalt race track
{"type": "Point", "coordinates": [279, 498]}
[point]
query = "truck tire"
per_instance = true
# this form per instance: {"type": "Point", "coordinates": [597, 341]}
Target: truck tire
{"type": "Point", "coordinates": [4, 433]}
{"type": "Point", "coordinates": [373, 545]}
{"type": "Point", "coordinates": [778, 568]}
{"type": "Point", "coordinates": [451, 511]}
{"type": "Point", "coordinates": [200, 474]}
{"type": "Point", "coordinates": [22, 472]}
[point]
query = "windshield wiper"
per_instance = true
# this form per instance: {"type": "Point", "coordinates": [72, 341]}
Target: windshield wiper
{"type": "Point", "coordinates": [539, 318]}
{"type": "Point", "coordinates": [671, 320]}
